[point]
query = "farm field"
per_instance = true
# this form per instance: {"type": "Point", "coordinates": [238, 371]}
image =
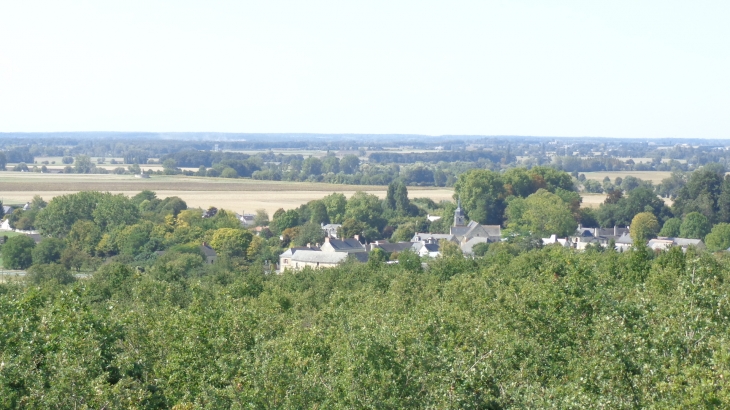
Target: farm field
{"type": "Point", "coordinates": [232, 194]}
{"type": "Point", "coordinates": [653, 176]}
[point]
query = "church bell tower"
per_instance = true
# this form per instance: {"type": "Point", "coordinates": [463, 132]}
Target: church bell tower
{"type": "Point", "coordinates": [459, 217]}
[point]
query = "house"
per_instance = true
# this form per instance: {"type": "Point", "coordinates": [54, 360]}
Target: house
{"type": "Point", "coordinates": [142, 175]}
{"type": "Point", "coordinates": [624, 242]}
{"type": "Point", "coordinates": [330, 230]}
{"type": "Point", "coordinates": [463, 234]}
{"type": "Point", "coordinates": [210, 212]}
{"type": "Point", "coordinates": [553, 239]}
{"type": "Point", "coordinates": [246, 219]}
{"type": "Point", "coordinates": [352, 245]}
{"type": "Point", "coordinates": [390, 247]}
{"type": "Point", "coordinates": [663, 243]}
{"type": "Point", "coordinates": [463, 231]}
{"type": "Point", "coordinates": [5, 225]}
{"type": "Point", "coordinates": [209, 253]}
{"type": "Point", "coordinates": [420, 237]}
{"type": "Point", "coordinates": [468, 247]}
{"type": "Point", "coordinates": [26, 207]}
{"type": "Point", "coordinates": [476, 230]}
{"type": "Point", "coordinates": [427, 248]}
{"type": "Point", "coordinates": [7, 209]}
{"type": "Point", "coordinates": [298, 259]}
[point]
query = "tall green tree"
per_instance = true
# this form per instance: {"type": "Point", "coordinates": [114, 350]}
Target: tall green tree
{"type": "Point", "coordinates": [482, 196]}
{"type": "Point", "coordinates": [17, 252]}
{"type": "Point", "coordinates": [695, 225]}
{"type": "Point", "coordinates": [719, 238]}
{"type": "Point", "coordinates": [540, 214]}
{"type": "Point", "coordinates": [644, 226]}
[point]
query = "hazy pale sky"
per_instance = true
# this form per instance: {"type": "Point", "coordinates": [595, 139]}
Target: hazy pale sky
{"type": "Point", "coordinates": [553, 68]}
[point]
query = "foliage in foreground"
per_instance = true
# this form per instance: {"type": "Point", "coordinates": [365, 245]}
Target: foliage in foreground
{"type": "Point", "coordinates": [547, 328]}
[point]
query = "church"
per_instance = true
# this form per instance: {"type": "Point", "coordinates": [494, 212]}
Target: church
{"type": "Point", "coordinates": [465, 234]}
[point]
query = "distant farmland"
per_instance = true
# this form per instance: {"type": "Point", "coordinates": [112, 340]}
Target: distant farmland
{"type": "Point", "coordinates": [234, 194]}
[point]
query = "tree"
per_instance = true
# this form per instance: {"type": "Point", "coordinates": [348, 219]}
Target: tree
{"type": "Point", "coordinates": [540, 214]}
{"type": "Point", "coordinates": [309, 233]}
{"type": "Point", "coordinates": [53, 272]}
{"type": "Point", "coordinates": [312, 166]}
{"type": "Point", "coordinates": [700, 194]}
{"type": "Point", "coordinates": [671, 228]}
{"type": "Point", "coordinates": [349, 164]}
{"type": "Point", "coordinates": [84, 236]}
{"type": "Point", "coordinates": [482, 196]}
{"type": "Point", "coordinates": [229, 172]}
{"type": "Point", "coordinates": [37, 203]}
{"type": "Point", "coordinates": [330, 163]}
{"type": "Point", "coordinates": [169, 166]}
{"type": "Point", "coordinates": [261, 218]}
{"type": "Point", "coordinates": [287, 219]}
{"type": "Point", "coordinates": [336, 205]}
{"type": "Point", "coordinates": [62, 212]}
{"type": "Point", "coordinates": [83, 165]}
{"type": "Point", "coordinates": [17, 252]}
{"type": "Point", "coordinates": [719, 238]}
{"type": "Point", "coordinates": [410, 261]}
{"type": "Point", "coordinates": [318, 213]}
{"type": "Point", "coordinates": [351, 227]}
{"type": "Point", "coordinates": [115, 210]}
{"type": "Point", "coordinates": [694, 225]}
{"type": "Point", "coordinates": [3, 161]}
{"type": "Point", "coordinates": [644, 226]}
{"type": "Point", "coordinates": [231, 242]}
{"type": "Point", "coordinates": [366, 208]}
{"type": "Point", "coordinates": [47, 251]}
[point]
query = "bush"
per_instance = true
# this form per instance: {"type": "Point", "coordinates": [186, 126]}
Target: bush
{"type": "Point", "coordinates": [17, 252]}
{"type": "Point", "coordinates": [38, 274]}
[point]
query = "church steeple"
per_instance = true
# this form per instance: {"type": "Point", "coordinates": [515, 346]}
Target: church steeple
{"type": "Point", "coordinates": [459, 217]}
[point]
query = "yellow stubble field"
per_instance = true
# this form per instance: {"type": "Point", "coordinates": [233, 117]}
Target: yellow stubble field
{"type": "Point", "coordinates": [237, 195]}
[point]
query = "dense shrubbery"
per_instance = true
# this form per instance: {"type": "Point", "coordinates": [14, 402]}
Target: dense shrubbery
{"type": "Point", "coordinates": [547, 328]}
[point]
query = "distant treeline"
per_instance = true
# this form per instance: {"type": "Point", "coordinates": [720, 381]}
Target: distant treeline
{"type": "Point", "coordinates": [445, 156]}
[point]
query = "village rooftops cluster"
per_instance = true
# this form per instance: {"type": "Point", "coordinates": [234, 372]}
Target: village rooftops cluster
{"type": "Point", "coordinates": [335, 251]}
{"type": "Point", "coordinates": [621, 238]}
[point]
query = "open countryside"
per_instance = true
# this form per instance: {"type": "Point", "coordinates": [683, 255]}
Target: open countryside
{"type": "Point", "coordinates": [232, 194]}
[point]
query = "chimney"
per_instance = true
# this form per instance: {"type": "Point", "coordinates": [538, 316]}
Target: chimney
{"type": "Point", "coordinates": [309, 245]}
{"type": "Point", "coordinates": [595, 232]}
{"type": "Point", "coordinates": [205, 244]}
{"type": "Point", "coordinates": [615, 230]}
{"type": "Point", "coordinates": [317, 245]}
{"type": "Point", "coordinates": [326, 239]}
{"type": "Point", "coordinates": [357, 237]}
{"type": "Point", "coordinates": [580, 227]}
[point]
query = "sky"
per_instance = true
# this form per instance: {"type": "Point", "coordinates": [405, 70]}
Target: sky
{"type": "Point", "coordinates": [542, 68]}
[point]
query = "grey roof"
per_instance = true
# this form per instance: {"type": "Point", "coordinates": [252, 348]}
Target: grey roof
{"type": "Point", "coordinates": [7, 209]}
{"type": "Point", "coordinates": [318, 256]}
{"type": "Point", "coordinates": [468, 246]}
{"type": "Point", "coordinates": [474, 229]}
{"type": "Point", "coordinates": [678, 241]}
{"type": "Point", "coordinates": [291, 251]}
{"type": "Point", "coordinates": [602, 232]}
{"type": "Point", "coordinates": [431, 247]}
{"type": "Point", "coordinates": [418, 237]}
{"type": "Point", "coordinates": [626, 239]}
{"type": "Point", "coordinates": [208, 251]}
{"type": "Point", "coordinates": [392, 247]}
{"type": "Point", "coordinates": [347, 245]}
